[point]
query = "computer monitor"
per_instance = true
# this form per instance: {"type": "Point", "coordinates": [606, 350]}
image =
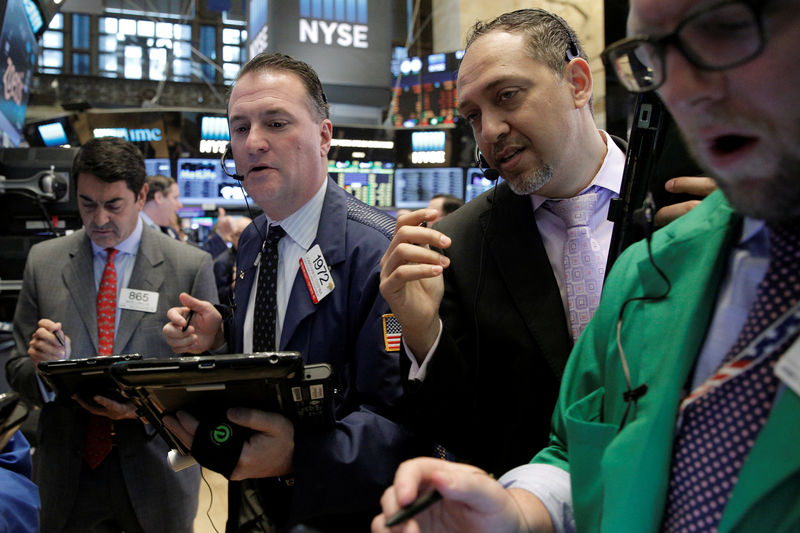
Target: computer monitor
{"type": "Point", "coordinates": [414, 187]}
{"type": "Point", "coordinates": [158, 166]}
{"type": "Point", "coordinates": [52, 134]}
{"type": "Point", "coordinates": [372, 182]}
{"type": "Point", "coordinates": [202, 182]}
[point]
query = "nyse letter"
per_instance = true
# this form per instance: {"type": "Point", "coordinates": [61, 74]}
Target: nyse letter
{"type": "Point", "coordinates": [360, 36]}
{"type": "Point", "coordinates": [309, 31]}
{"type": "Point", "coordinates": [328, 30]}
{"type": "Point", "coordinates": [345, 39]}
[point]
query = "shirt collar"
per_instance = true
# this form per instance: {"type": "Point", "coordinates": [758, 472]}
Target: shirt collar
{"type": "Point", "coordinates": [128, 246]}
{"type": "Point", "coordinates": [755, 236]}
{"type": "Point", "coordinates": [302, 225]}
{"type": "Point", "coordinates": [147, 220]}
{"type": "Point", "coordinates": [608, 177]}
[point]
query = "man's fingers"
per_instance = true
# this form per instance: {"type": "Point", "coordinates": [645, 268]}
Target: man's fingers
{"type": "Point", "coordinates": [262, 421]}
{"type": "Point", "coordinates": [699, 186]}
{"type": "Point", "coordinates": [415, 218]}
{"type": "Point", "coordinates": [191, 302]}
{"type": "Point", "coordinates": [406, 254]}
{"type": "Point", "coordinates": [667, 214]}
{"type": "Point", "coordinates": [183, 426]}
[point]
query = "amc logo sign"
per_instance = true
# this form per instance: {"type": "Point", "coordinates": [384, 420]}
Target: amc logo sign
{"type": "Point", "coordinates": [339, 22]}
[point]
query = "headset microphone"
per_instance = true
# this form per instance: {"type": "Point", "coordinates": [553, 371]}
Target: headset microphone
{"type": "Point", "coordinates": [489, 173]}
{"type": "Point", "coordinates": [222, 161]}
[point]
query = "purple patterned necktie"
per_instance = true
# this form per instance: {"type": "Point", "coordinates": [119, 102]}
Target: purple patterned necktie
{"type": "Point", "coordinates": [265, 313]}
{"type": "Point", "coordinates": [720, 427]}
{"type": "Point", "coordinates": [584, 266]}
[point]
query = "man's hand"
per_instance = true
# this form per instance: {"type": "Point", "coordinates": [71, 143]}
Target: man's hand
{"type": "Point", "coordinates": [685, 185]}
{"type": "Point", "coordinates": [411, 279]}
{"type": "Point", "coordinates": [225, 225]}
{"type": "Point", "coordinates": [108, 407]}
{"type": "Point", "coordinates": [472, 501]}
{"type": "Point", "coordinates": [45, 345]}
{"type": "Point", "coordinates": [267, 453]}
{"type": "Point", "coordinates": [204, 331]}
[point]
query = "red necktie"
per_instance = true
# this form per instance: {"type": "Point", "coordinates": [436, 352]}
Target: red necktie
{"type": "Point", "coordinates": [98, 429]}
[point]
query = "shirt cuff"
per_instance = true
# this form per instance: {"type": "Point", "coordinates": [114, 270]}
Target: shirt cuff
{"type": "Point", "coordinates": [418, 371]}
{"type": "Point", "coordinates": [551, 485]}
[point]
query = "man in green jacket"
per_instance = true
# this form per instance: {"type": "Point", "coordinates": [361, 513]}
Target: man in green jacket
{"type": "Point", "coordinates": [680, 403]}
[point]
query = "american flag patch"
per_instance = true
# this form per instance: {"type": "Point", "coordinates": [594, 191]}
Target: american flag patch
{"type": "Point", "coordinates": [392, 331]}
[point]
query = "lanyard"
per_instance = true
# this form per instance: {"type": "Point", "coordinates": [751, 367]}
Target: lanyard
{"type": "Point", "coordinates": [765, 343]}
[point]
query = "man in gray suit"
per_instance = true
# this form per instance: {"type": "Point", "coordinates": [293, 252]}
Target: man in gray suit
{"type": "Point", "coordinates": [128, 486]}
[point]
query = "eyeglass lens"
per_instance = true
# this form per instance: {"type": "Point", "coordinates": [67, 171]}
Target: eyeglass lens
{"type": "Point", "coordinates": [721, 37]}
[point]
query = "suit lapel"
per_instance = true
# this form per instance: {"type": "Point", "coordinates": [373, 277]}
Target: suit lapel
{"type": "Point", "coordinates": [636, 463]}
{"type": "Point", "coordinates": [331, 236]}
{"type": "Point", "coordinates": [147, 275]}
{"type": "Point", "coordinates": [525, 269]}
{"type": "Point", "coordinates": [773, 459]}
{"type": "Point", "coordinates": [79, 279]}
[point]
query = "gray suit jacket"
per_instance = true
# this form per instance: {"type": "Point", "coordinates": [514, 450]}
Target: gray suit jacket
{"type": "Point", "coordinates": [59, 284]}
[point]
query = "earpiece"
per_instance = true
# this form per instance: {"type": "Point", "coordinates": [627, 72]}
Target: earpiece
{"type": "Point", "coordinates": [572, 50]}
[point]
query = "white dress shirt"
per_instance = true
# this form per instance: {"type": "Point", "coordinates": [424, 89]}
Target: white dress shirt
{"type": "Point", "coordinates": [301, 230]}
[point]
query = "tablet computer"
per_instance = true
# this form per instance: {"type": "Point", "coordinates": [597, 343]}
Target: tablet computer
{"type": "Point", "coordinates": [206, 386]}
{"type": "Point", "coordinates": [12, 414]}
{"type": "Point", "coordinates": [87, 377]}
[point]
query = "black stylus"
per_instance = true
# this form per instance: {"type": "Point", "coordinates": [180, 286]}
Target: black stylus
{"type": "Point", "coordinates": [414, 508]}
{"type": "Point", "coordinates": [188, 319]}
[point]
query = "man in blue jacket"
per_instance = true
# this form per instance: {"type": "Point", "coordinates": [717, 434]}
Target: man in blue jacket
{"type": "Point", "coordinates": [280, 136]}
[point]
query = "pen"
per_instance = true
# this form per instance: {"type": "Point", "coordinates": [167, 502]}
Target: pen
{"type": "Point", "coordinates": [414, 508]}
{"type": "Point", "coordinates": [420, 504]}
{"type": "Point", "coordinates": [60, 338]}
{"type": "Point", "coordinates": [188, 319]}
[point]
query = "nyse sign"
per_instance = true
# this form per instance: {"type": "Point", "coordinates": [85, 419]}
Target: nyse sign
{"type": "Point", "coordinates": [340, 33]}
{"type": "Point", "coordinates": [208, 146]}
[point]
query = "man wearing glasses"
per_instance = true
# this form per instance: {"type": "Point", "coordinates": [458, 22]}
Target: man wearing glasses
{"type": "Point", "coordinates": [678, 409]}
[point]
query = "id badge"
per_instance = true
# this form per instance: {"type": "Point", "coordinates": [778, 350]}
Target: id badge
{"type": "Point", "coordinates": [319, 279]}
{"type": "Point", "coordinates": [138, 300]}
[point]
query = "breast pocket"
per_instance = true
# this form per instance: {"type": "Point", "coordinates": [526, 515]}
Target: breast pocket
{"type": "Point", "coordinates": [588, 439]}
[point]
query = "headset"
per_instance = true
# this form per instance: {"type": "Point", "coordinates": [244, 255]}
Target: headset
{"type": "Point", "coordinates": [222, 160]}
{"type": "Point", "coordinates": [489, 173]}
{"type": "Point", "coordinates": [238, 177]}
{"type": "Point", "coordinates": [572, 50]}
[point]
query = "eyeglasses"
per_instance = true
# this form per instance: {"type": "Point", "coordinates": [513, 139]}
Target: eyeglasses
{"type": "Point", "coordinates": [719, 37]}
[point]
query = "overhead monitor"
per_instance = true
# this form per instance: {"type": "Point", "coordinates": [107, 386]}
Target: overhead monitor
{"type": "Point", "coordinates": [369, 181]}
{"type": "Point", "coordinates": [53, 134]}
{"type": "Point", "coordinates": [202, 182]}
{"type": "Point", "coordinates": [425, 90]}
{"type": "Point", "coordinates": [414, 187]}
